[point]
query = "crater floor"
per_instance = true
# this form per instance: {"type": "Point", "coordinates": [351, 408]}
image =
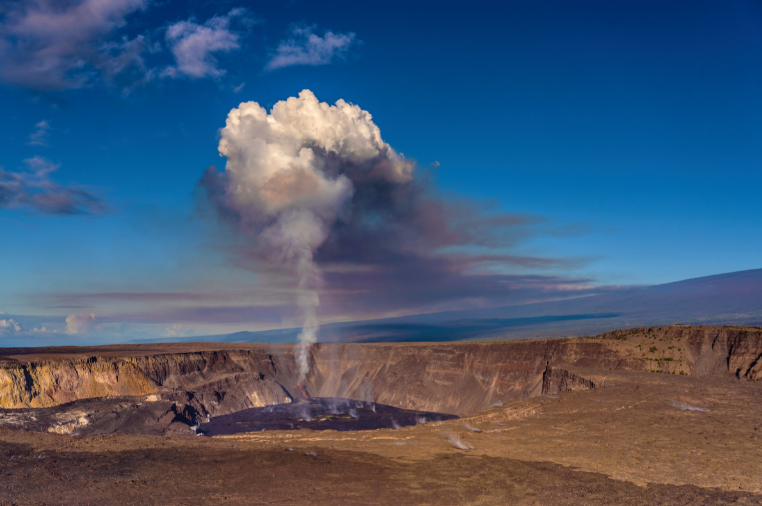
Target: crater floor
{"type": "Point", "coordinates": [641, 439]}
{"type": "Point", "coordinates": [327, 413]}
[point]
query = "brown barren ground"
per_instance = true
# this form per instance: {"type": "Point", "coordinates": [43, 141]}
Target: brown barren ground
{"type": "Point", "coordinates": [635, 441]}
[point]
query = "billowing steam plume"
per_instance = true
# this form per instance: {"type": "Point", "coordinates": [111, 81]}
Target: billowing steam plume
{"type": "Point", "coordinates": [289, 178]}
{"type": "Point", "coordinates": [332, 205]}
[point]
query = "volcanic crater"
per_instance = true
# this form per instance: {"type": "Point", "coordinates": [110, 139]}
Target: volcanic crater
{"type": "Point", "coordinates": [675, 409]}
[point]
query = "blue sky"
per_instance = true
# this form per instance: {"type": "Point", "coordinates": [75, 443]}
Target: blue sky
{"type": "Point", "coordinates": [628, 131]}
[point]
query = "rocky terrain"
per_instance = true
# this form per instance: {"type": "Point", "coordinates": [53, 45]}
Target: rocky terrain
{"type": "Point", "coordinates": [667, 415]}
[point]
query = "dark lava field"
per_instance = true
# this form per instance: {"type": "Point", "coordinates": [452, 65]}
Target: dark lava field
{"type": "Point", "coordinates": [329, 413]}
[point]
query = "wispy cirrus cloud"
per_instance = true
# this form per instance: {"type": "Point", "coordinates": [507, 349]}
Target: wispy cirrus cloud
{"type": "Point", "coordinates": [40, 135]}
{"type": "Point", "coordinates": [194, 45]}
{"type": "Point", "coordinates": [416, 287]}
{"type": "Point", "coordinates": [52, 45]}
{"type": "Point", "coordinates": [35, 190]}
{"type": "Point", "coordinates": [304, 47]}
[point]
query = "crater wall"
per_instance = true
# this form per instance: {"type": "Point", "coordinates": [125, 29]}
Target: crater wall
{"type": "Point", "coordinates": [458, 378]}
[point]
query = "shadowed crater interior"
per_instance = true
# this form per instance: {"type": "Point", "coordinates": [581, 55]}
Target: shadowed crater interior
{"type": "Point", "coordinates": [319, 413]}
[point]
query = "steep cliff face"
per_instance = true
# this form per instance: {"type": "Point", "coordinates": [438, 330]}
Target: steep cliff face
{"type": "Point", "coordinates": [41, 384]}
{"type": "Point", "coordinates": [213, 382]}
{"type": "Point", "coordinates": [697, 351]}
{"type": "Point", "coordinates": [460, 378]}
{"type": "Point", "coordinates": [220, 383]}
{"type": "Point", "coordinates": [727, 351]}
{"type": "Point", "coordinates": [556, 380]}
{"type": "Point", "coordinates": [456, 378]}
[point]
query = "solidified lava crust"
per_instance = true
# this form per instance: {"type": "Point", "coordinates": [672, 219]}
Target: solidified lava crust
{"type": "Point", "coordinates": [328, 413]}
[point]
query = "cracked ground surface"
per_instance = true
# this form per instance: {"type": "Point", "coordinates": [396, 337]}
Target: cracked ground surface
{"type": "Point", "coordinates": [639, 438]}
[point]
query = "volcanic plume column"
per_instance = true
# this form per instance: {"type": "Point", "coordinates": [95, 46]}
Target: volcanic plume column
{"type": "Point", "coordinates": [308, 300]}
{"type": "Point", "coordinates": [294, 237]}
{"type": "Point", "coordinates": [291, 242]}
{"type": "Point", "coordinates": [289, 175]}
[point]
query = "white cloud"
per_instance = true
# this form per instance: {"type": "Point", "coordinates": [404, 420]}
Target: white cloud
{"type": "Point", "coordinates": [306, 48]}
{"type": "Point", "coordinates": [34, 189]}
{"type": "Point", "coordinates": [194, 45]}
{"type": "Point", "coordinates": [274, 161]}
{"type": "Point", "coordinates": [67, 44]}
{"type": "Point", "coordinates": [50, 45]}
{"type": "Point", "coordinates": [40, 136]}
{"type": "Point", "coordinates": [79, 323]}
{"type": "Point", "coordinates": [177, 330]}
{"type": "Point", "coordinates": [8, 326]}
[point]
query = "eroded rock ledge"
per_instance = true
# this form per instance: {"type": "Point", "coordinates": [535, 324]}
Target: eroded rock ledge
{"type": "Point", "coordinates": [556, 380]}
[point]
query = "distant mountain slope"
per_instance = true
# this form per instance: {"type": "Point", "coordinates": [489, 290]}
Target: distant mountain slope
{"type": "Point", "coordinates": [724, 299]}
{"type": "Point", "coordinates": [733, 296]}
